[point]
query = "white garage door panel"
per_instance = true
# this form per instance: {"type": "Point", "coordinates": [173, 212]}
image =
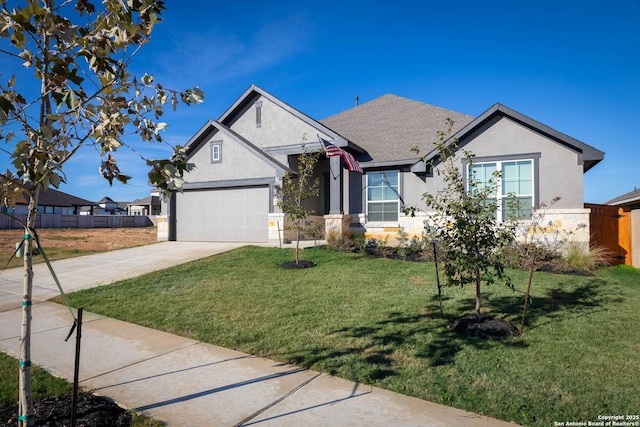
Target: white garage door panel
{"type": "Point", "coordinates": [223, 215]}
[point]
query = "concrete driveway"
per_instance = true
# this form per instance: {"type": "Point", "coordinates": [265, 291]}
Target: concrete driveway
{"type": "Point", "coordinates": [103, 268]}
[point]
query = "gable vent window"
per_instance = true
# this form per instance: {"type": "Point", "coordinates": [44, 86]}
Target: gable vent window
{"type": "Point", "coordinates": [258, 114]}
{"type": "Point", "coordinates": [216, 152]}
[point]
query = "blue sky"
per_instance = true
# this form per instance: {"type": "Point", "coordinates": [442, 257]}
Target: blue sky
{"type": "Point", "coordinates": [572, 65]}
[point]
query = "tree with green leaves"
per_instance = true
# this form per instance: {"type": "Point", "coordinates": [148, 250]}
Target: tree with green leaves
{"type": "Point", "coordinates": [74, 91]}
{"type": "Point", "coordinates": [296, 189]}
{"type": "Point", "coordinates": [465, 221]}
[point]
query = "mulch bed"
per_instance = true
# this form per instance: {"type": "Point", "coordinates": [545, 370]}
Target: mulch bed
{"type": "Point", "coordinates": [485, 327]}
{"type": "Point", "coordinates": [93, 411]}
{"type": "Point", "coordinates": [298, 265]}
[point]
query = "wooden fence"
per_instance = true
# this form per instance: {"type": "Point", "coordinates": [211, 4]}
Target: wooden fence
{"type": "Point", "coordinates": [79, 221]}
{"type": "Point", "coordinates": [610, 229]}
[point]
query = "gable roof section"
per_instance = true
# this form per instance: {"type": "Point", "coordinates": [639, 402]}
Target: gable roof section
{"type": "Point", "coordinates": [630, 198]}
{"type": "Point", "coordinates": [52, 197]}
{"type": "Point", "coordinates": [254, 92]}
{"type": "Point", "coordinates": [388, 127]}
{"type": "Point", "coordinates": [589, 156]}
{"type": "Point", "coordinates": [147, 201]}
{"type": "Point", "coordinates": [212, 127]}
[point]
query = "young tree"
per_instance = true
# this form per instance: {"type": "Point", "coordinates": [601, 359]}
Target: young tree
{"type": "Point", "coordinates": [538, 241]}
{"type": "Point", "coordinates": [295, 190]}
{"type": "Point", "coordinates": [465, 221]}
{"type": "Point", "coordinates": [78, 55]}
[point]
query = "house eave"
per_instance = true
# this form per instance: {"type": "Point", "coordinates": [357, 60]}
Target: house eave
{"type": "Point", "coordinates": [230, 183]}
{"type": "Point", "coordinates": [390, 163]}
{"type": "Point", "coordinates": [624, 201]}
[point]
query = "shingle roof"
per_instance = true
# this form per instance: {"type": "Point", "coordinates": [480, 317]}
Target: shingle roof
{"type": "Point", "coordinates": [632, 197]}
{"type": "Point", "coordinates": [388, 127]}
{"type": "Point", "coordinates": [151, 200]}
{"type": "Point", "coordinates": [52, 197]}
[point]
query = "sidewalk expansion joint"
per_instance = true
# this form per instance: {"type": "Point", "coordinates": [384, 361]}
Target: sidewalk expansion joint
{"type": "Point", "coordinates": [277, 401]}
{"type": "Point", "coordinates": [140, 361]}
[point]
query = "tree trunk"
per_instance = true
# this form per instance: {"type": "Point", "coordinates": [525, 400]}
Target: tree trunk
{"type": "Point", "coordinates": [298, 245]}
{"type": "Point", "coordinates": [25, 397]}
{"type": "Point", "coordinates": [526, 298]}
{"type": "Point", "coordinates": [478, 302]}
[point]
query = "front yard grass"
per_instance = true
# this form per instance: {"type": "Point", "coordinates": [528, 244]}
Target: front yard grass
{"type": "Point", "coordinates": [43, 385]}
{"type": "Point", "coordinates": [377, 321]}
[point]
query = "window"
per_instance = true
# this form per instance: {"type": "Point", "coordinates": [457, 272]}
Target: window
{"type": "Point", "coordinates": [515, 185]}
{"type": "Point", "coordinates": [517, 189]}
{"type": "Point", "coordinates": [216, 151]}
{"type": "Point", "coordinates": [383, 196]}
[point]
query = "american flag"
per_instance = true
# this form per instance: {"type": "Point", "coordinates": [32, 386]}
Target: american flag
{"type": "Point", "coordinates": [333, 150]}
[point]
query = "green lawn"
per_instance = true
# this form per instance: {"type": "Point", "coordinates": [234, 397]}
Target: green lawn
{"type": "Point", "coordinates": [44, 385]}
{"type": "Point", "coordinates": [376, 321]}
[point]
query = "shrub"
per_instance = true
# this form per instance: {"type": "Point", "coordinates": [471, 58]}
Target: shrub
{"type": "Point", "coordinates": [337, 242]}
{"type": "Point", "coordinates": [579, 258]}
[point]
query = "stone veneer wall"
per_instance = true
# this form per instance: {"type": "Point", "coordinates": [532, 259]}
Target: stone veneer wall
{"type": "Point", "coordinates": [280, 228]}
{"type": "Point", "coordinates": [567, 225]}
{"type": "Point", "coordinates": [559, 227]}
{"type": "Point", "coordinates": [163, 228]}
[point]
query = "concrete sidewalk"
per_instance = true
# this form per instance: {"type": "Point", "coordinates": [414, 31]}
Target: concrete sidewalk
{"type": "Point", "coordinates": [189, 383]}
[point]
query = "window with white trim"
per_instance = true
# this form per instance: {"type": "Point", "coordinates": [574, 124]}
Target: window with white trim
{"type": "Point", "coordinates": [514, 185]}
{"type": "Point", "coordinates": [216, 151]}
{"type": "Point", "coordinates": [383, 196]}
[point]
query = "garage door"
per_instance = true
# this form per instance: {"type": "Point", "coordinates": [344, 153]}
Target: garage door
{"type": "Point", "coordinates": [223, 215]}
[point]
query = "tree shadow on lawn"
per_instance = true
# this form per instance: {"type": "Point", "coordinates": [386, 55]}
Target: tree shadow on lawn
{"type": "Point", "coordinates": [371, 352]}
{"type": "Point", "coordinates": [372, 365]}
{"type": "Point", "coordinates": [566, 301]}
{"type": "Point", "coordinates": [374, 356]}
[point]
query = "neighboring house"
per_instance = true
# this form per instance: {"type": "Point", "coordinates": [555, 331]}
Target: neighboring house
{"type": "Point", "coordinates": [628, 201]}
{"type": "Point", "coordinates": [623, 223]}
{"type": "Point", "coordinates": [108, 207]}
{"type": "Point", "coordinates": [240, 158]}
{"type": "Point", "coordinates": [148, 206]}
{"type": "Point", "coordinates": [53, 201]}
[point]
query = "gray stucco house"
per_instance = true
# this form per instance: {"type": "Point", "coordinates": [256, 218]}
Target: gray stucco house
{"type": "Point", "coordinates": [242, 156]}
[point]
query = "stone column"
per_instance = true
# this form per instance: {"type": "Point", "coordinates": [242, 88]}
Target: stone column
{"type": "Point", "coordinates": [336, 225]}
{"type": "Point", "coordinates": [276, 228]}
